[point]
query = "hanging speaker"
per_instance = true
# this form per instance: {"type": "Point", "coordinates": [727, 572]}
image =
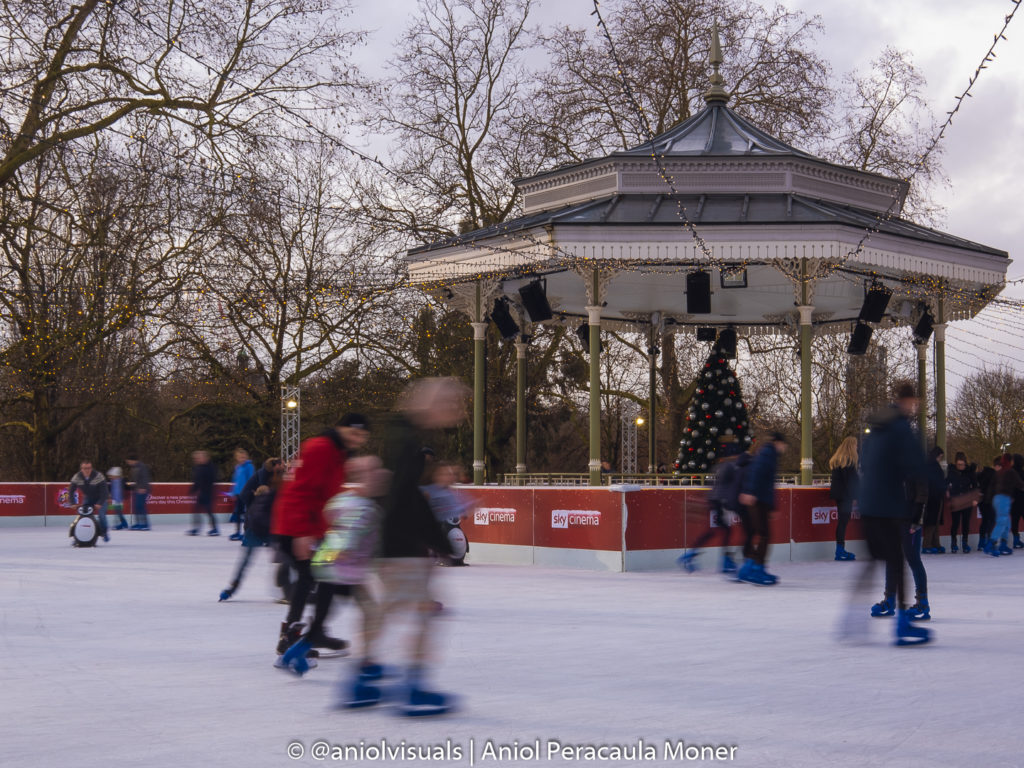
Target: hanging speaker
{"type": "Point", "coordinates": [706, 334]}
{"type": "Point", "coordinates": [860, 339]}
{"type": "Point", "coordinates": [923, 329]}
{"type": "Point", "coordinates": [503, 319]}
{"type": "Point", "coordinates": [535, 301]}
{"type": "Point", "coordinates": [698, 293]}
{"type": "Point", "coordinates": [583, 333]}
{"type": "Point", "coordinates": [727, 343]}
{"type": "Point", "coordinates": [875, 302]}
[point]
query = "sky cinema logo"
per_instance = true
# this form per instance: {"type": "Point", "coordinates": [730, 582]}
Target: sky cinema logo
{"type": "Point", "coordinates": [564, 518]}
{"type": "Point", "coordinates": [824, 515]}
{"type": "Point", "coordinates": [488, 515]}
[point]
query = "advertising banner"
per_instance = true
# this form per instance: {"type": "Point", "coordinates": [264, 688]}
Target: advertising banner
{"type": "Point", "coordinates": [578, 519]}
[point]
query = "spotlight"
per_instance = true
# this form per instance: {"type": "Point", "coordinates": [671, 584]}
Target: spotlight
{"type": "Point", "coordinates": [860, 339]}
{"type": "Point", "coordinates": [706, 334]}
{"type": "Point", "coordinates": [727, 343]}
{"type": "Point", "coordinates": [923, 329]}
{"type": "Point", "coordinates": [698, 293]}
{"type": "Point", "coordinates": [875, 302]}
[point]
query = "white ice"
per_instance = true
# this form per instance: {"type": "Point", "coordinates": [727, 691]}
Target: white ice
{"type": "Point", "coordinates": [122, 656]}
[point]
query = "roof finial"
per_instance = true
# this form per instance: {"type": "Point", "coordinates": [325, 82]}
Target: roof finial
{"type": "Point", "coordinates": [716, 93]}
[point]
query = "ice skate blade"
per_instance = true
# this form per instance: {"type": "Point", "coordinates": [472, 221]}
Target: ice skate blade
{"type": "Point", "coordinates": [901, 641]}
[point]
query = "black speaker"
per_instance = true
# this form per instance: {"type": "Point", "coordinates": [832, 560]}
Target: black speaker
{"type": "Point", "coordinates": [535, 301]}
{"type": "Point", "coordinates": [698, 293]}
{"type": "Point", "coordinates": [727, 343]}
{"type": "Point", "coordinates": [923, 329]}
{"type": "Point", "coordinates": [860, 339]}
{"type": "Point", "coordinates": [875, 302]}
{"type": "Point", "coordinates": [502, 318]}
{"type": "Point", "coordinates": [583, 333]}
{"type": "Point", "coordinates": [706, 334]}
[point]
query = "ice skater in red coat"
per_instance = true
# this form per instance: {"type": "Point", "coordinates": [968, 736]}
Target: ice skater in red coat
{"type": "Point", "coordinates": [298, 523]}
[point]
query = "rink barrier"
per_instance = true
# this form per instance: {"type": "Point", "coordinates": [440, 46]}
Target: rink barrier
{"type": "Point", "coordinates": [611, 528]}
{"type": "Point", "coordinates": [49, 504]}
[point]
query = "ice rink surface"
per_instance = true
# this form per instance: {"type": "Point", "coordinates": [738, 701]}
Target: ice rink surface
{"type": "Point", "coordinates": [122, 656]}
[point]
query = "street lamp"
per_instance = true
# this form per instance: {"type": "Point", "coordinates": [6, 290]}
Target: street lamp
{"type": "Point", "coordinates": [290, 422]}
{"type": "Point", "coordinates": [639, 421]}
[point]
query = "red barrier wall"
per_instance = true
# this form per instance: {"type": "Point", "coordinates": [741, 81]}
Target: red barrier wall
{"type": "Point", "coordinates": [22, 500]}
{"type": "Point", "coordinates": [53, 500]}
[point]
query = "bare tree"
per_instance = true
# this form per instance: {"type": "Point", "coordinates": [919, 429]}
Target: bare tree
{"type": "Point", "coordinates": [663, 48]}
{"type": "Point", "coordinates": [987, 412]}
{"type": "Point", "coordinates": [884, 126]}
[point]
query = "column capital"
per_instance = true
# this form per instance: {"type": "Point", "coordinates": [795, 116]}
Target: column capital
{"type": "Point", "coordinates": [593, 314]}
{"type": "Point", "coordinates": [922, 351]}
{"type": "Point", "coordinates": [940, 331]}
{"type": "Point", "coordinates": [521, 347]}
{"type": "Point", "coordinates": [806, 313]}
{"type": "Point", "coordinates": [479, 331]}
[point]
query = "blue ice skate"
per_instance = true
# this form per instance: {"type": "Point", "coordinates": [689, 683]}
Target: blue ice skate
{"type": "Point", "coordinates": [728, 564]}
{"type": "Point", "coordinates": [885, 608]}
{"type": "Point", "coordinates": [919, 611]}
{"type": "Point", "coordinates": [908, 634]}
{"type": "Point", "coordinates": [843, 555]}
{"type": "Point", "coordinates": [1017, 543]}
{"type": "Point", "coordinates": [295, 659]}
{"type": "Point", "coordinates": [1003, 548]}
{"type": "Point", "coordinates": [687, 560]}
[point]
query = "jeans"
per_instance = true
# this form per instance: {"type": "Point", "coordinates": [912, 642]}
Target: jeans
{"type": "Point", "coordinates": [139, 508]}
{"type": "Point", "coordinates": [1001, 529]}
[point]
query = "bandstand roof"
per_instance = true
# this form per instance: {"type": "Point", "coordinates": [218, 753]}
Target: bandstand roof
{"type": "Point", "coordinates": [759, 207]}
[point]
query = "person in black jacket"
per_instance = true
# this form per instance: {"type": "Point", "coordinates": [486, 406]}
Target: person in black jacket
{"type": "Point", "coordinates": [986, 481]}
{"type": "Point", "coordinates": [723, 500]}
{"type": "Point", "coordinates": [844, 490]}
{"type": "Point", "coordinates": [204, 477]}
{"type": "Point", "coordinates": [410, 534]}
{"type": "Point", "coordinates": [962, 481]}
{"type": "Point", "coordinates": [91, 487]}
{"type": "Point", "coordinates": [936, 480]}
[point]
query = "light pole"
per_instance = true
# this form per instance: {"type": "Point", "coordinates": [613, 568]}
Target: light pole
{"type": "Point", "coordinates": [290, 422]}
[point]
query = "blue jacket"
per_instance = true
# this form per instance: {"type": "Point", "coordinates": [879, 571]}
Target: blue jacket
{"type": "Point", "coordinates": [241, 476]}
{"type": "Point", "coordinates": [891, 462]}
{"type": "Point", "coordinates": [759, 479]}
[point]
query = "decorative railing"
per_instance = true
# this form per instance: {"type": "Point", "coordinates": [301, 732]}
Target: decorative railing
{"type": "Point", "coordinates": [571, 479]}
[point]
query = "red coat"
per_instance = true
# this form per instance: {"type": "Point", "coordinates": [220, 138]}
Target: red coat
{"type": "Point", "coordinates": [314, 477]}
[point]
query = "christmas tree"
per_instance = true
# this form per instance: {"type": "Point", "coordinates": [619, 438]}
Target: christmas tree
{"type": "Point", "coordinates": [717, 417]}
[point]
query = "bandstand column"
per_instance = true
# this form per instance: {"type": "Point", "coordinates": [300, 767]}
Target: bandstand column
{"type": "Point", "coordinates": [521, 347]}
{"type": "Point", "coordinates": [594, 320]}
{"type": "Point", "coordinates": [479, 340]}
{"type": "Point", "coordinates": [806, 434]}
{"type": "Point", "coordinates": [940, 384]}
{"type": "Point", "coordinates": [922, 393]}
{"type": "Point", "coordinates": [652, 440]}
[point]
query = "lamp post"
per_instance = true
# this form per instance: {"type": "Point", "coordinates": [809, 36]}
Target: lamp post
{"type": "Point", "coordinates": [290, 422]}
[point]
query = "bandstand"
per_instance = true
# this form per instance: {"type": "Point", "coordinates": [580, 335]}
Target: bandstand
{"type": "Point", "coordinates": [714, 223]}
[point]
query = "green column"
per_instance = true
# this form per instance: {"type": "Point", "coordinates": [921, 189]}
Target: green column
{"type": "Point", "coordinates": [940, 384]}
{"type": "Point", "coordinates": [922, 392]}
{"type": "Point", "coordinates": [806, 433]}
{"type": "Point", "coordinates": [479, 339]}
{"type": "Point", "coordinates": [594, 318]}
{"type": "Point", "coordinates": [521, 407]}
{"type": "Point", "coordinates": [652, 442]}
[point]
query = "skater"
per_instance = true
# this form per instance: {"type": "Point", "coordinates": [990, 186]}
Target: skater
{"type": "Point", "coordinates": [930, 543]}
{"type": "Point", "coordinates": [259, 502]}
{"type": "Point", "coordinates": [204, 477]}
{"type": "Point", "coordinates": [91, 489]}
{"type": "Point", "coordinates": [298, 523]}
{"type": "Point", "coordinates": [986, 480]}
{"type": "Point", "coordinates": [115, 481]}
{"type": "Point", "coordinates": [723, 501]}
{"type": "Point", "coordinates": [1006, 483]}
{"type": "Point", "coordinates": [346, 558]}
{"type": "Point", "coordinates": [962, 482]}
{"type": "Point", "coordinates": [410, 535]}
{"type": "Point", "coordinates": [891, 463]}
{"type": "Point", "coordinates": [139, 485]}
{"type": "Point", "coordinates": [758, 497]}
{"type": "Point", "coordinates": [844, 491]}
{"type": "Point", "coordinates": [1017, 510]}
{"type": "Point", "coordinates": [244, 470]}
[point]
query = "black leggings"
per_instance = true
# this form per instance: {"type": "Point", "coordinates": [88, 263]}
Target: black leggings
{"type": "Point", "coordinates": [755, 523]}
{"type": "Point", "coordinates": [843, 511]}
{"type": "Point", "coordinates": [304, 585]}
{"type": "Point", "coordinates": [723, 528]}
{"type": "Point", "coordinates": [988, 518]}
{"type": "Point", "coordinates": [961, 518]}
{"type": "Point", "coordinates": [885, 542]}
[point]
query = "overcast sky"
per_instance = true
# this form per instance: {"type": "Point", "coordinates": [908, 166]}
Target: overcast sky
{"type": "Point", "coordinates": [984, 148]}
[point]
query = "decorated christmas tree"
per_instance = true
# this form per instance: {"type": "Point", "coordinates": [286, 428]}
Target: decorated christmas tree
{"type": "Point", "coordinates": [717, 417]}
